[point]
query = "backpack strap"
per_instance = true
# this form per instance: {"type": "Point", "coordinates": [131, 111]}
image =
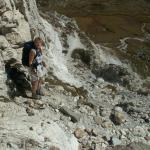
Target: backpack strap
{"type": "Point", "coordinates": [35, 63]}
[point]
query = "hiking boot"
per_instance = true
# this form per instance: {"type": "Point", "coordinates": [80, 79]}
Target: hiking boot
{"type": "Point", "coordinates": [40, 92]}
{"type": "Point", "coordinates": [35, 96]}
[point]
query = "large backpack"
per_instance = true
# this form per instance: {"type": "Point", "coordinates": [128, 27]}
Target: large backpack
{"type": "Point", "coordinates": [26, 51]}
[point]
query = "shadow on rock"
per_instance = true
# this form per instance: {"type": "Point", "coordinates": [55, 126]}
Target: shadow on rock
{"type": "Point", "coordinates": [112, 73]}
{"type": "Point", "coordinates": [18, 79]}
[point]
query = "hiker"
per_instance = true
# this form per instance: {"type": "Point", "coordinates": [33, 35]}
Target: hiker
{"type": "Point", "coordinates": [32, 58]}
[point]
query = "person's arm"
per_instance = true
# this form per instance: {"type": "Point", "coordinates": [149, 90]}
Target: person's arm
{"type": "Point", "coordinates": [31, 57]}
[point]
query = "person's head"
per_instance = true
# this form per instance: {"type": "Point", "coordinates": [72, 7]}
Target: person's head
{"type": "Point", "coordinates": [38, 42]}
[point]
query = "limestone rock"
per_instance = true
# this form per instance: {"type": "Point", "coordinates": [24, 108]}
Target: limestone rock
{"type": "Point", "coordinates": [25, 124]}
{"type": "Point", "coordinates": [111, 73]}
{"type": "Point", "coordinates": [34, 139]}
{"type": "Point", "coordinates": [118, 116]}
{"type": "Point", "coordinates": [30, 111]}
{"type": "Point", "coordinates": [8, 54]}
{"type": "Point", "coordinates": [3, 43]}
{"type": "Point", "coordinates": [115, 141]}
{"type": "Point", "coordinates": [132, 146]}
{"type": "Point", "coordinates": [17, 31]}
{"type": "Point", "coordinates": [60, 88]}
{"type": "Point", "coordinates": [54, 148]}
{"type": "Point", "coordinates": [107, 124]}
{"type": "Point", "coordinates": [98, 120]}
{"type": "Point", "coordinates": [5, 5]}
{"type": "Point", "coordinates": [75, 117]}
{"type": "Point", "coordinates": [3, 87]}
{"type": "Point", "coordinates": [79, 133]}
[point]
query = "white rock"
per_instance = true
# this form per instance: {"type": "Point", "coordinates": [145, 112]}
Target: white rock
{"type": "Point", "coordinates": [9, 53]}
{"type": "Point", "coordinates": [3, 43]}
{"type": "Point", "coordinates": [100, 80]}
{"type": "Point", "coordinates": [17, 128]}
{"type": "Point", "coordinates": [119, 109]}
{"type": "Point", "coordinates": [5, 5]}
{"type": "Point", "coordinates": [115, 141]}
{"type": "Point", "coordinates": [21, 32]}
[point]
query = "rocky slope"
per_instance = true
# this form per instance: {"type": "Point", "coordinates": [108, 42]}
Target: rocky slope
{"type": "Point", "coordinates": [123, 26]}
{"type": "Point", "coordinates": [93, 100]}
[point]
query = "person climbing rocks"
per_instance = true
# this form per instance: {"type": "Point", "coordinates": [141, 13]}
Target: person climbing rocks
{"type": "Point", "coordinates": [32, 58]}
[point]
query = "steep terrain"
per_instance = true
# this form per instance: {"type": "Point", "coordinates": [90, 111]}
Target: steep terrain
{"type": "Point", "coordinates": [122, 26]}
{"type": "Point", "coordinates": [93, 101]}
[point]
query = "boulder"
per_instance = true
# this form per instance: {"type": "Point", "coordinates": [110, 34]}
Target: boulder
{"type": "Point", "coordinates": [112, 73]}
{"type": "Point", "coordinates": [79, 133]}
{"type": "Point", "coordinates": [115, 141]}
{"type": "Point", "coordinates": [75, 117]}
{"type": "Point", "coordinates": [81, 54]}
{"type": "Point", "coordinates": [107, 124]}
{"type": "Point", "coordinates": [118, 116]}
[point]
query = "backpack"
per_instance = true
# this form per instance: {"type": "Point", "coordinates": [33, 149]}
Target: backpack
{"type": "Point", "coordinates": [26, 51]}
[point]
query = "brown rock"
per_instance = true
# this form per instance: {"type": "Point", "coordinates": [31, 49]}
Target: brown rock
{"type": "Point", "coordinates": [119, 118]}
{"type": "Point", "coordinates": [79, 133]}
{"type": "Point", "coordinates": [98, 120]}
{"type": "Point", "coordinates": [107, 124]}
{"type": "Point", "coordinates": [54, 148]}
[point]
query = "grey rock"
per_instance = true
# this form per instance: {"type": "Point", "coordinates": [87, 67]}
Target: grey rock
{"type": "Point", "coordinates": [75, 117]}
{"type": "Point", "coordinates": [107, 124]}
{"type": "Point", "coordinates": [111, 73]}
{"type": "Point", "coordinates": [98, 120]}
{"type": "Point", "coordinates": [79, 133]}
{"type": "Point", "coordinates": [115, 141]}
{"type": "Point", "coordinates": [54, 148]}
{"type": "Point", "coordinates": [3, 43]}
{"type": "Point", "coordinates": [118, 116]}
{"type": "Point", "coordinates": [132, 146]}
{"type": "Point", "coordinates": [18, 18]}
{"type": "Point", "coordinates": [107, 137]}
{"type": "Point", "coordinates": [81, 54]}
{"type": "Point", "coordinates": [30, 111]}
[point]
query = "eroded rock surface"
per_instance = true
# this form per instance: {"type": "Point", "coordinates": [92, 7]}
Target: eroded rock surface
{"type": "Point", "coordinates": [84, 106]}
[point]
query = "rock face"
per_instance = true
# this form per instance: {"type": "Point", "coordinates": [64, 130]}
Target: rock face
{"type": "Point", "coordinates": [16, 23]}
{"type": "Point", "coordinates": [15, 27]}
{"type": "Point", "coordinates": [86, 7]}
{"type": "Point", "coordinates": [18, 77]}
{"type": "Point", "coordinates": [88, 92]}
{"type": "Point", "coordinates": [32, 133]}
{"type": "Point", "coordinates": [123, 26]}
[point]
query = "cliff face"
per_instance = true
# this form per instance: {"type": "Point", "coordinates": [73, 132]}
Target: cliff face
{"type": "Point", "coordinates": [93, 100]}
{"type": "Point", "coordinates": [96, 7]}
{"type": "Point", "coordinates": [122, 26]}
